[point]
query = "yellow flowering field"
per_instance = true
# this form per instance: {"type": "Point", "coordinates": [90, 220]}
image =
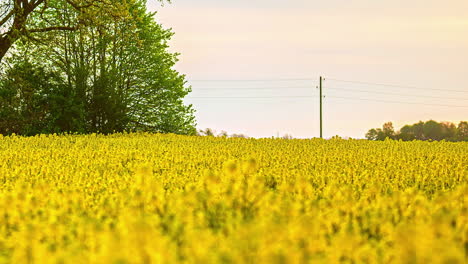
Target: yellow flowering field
{"type": "Point", "coordinates": [144, 198]}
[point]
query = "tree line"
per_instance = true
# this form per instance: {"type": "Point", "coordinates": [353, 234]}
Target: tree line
{"type": "Point", "coordinates": [426, 131]}
{"type": "Point", "coordinates": [88, 66]}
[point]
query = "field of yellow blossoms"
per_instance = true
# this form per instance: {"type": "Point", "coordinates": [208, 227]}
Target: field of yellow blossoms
{"type": "Point", "coordinates": [143, 198]}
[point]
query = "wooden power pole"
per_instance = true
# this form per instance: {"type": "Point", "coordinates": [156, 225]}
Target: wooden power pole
{"type": "Point", "coordinates": [321, 111]}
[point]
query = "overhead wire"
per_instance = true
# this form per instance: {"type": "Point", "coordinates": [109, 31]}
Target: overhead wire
{"type": "Point", "coordinates": [253, 80]}
{"type": "Point", "coordinates": [338, 97]}
{"type": "Point", "coordinates": [248, 97]}
{"type": "Point", "coordinates": [395, 102]}
{"type": "Point", "coordinates": [397, 94]}
{"type": "Point", "coordinates": [397, 86]}
{"type": "Point", "coordinates": [331, 88]}
{"type": "Point", "coordinates": [329, 79]}
{"type": "Point", "coordinates": [251, 88]}
{"type": "Point", "coordinates": [327, 88]}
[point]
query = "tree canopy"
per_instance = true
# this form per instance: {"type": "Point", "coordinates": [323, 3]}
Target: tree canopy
{"type": "Point", "coordinates": [430, 130]}
{"type": "Point", "coordinates": [89, 66]}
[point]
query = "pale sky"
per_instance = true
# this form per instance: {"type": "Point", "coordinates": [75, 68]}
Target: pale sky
{"type": "Point", "coordinates": [418, 43]}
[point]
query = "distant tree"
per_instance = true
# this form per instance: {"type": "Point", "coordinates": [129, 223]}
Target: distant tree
{"type": "Point", "coordinates": [208, 132]}
{"type": "Point", "coordinates": [373, 134]}
{"type": "Point", "coordinates": [462, 131]}
{"type": "Point", "coordinates": [449, 131]}
{"type": "Point", "coordinates": [430, 130]}
{"type": "Point", "coordinates": [378, 134]}
{"type": "Point", "coordinates": [407, 133]}
{"type": "Point", "coordinates": [433, 130]}
{"type": "Point", "coordinates": [223, 134]}
{"type": "Point", "coordinates": [418, 129]}
{"type": "Point", "coordinates": [239, 136]}
{"type": "Point", "coordinates": [388, 130]}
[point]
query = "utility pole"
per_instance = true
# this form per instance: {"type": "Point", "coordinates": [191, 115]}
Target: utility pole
{"type": "Point", "coordinates": [321, 112]}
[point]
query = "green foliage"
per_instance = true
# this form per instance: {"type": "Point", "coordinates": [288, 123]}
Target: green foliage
{"type": "Point", "coordinates": [462, 131]}
{"type": "Point", "coordinates": [113, 73]}
{"type": "Point", "coordinates": [430, 130]}
{"type": "Point", "coordinates": [34, 100]}
{"type": "Point", "coordinates": [36, 20]}
{"type": "Point", "coordinates": [381, 134]}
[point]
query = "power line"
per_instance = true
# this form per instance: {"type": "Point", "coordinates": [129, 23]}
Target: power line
{"type": "Point", "coordinates": [395, 102]}
{"type": "Point", "coordinates": [396, 86]}
{"type": "Point", "coordinates": [249, 97]}
{"type": "Point", "coordinates": [331, 79]}
{"type": "Point", "coordinates": [252, 80]}
{"type": "Point", "coordinates": [399, 94]}
{"type": "Point", "coordinates": [328, 88]}
{"type": "Point", "coordinates": [338, 97]}
{"type": "Point", "coordinates": [267, 82]}
{"type": "Point", "coordinates": [252, 88]}
{"type": "Point", "coordinates": [321, 106]}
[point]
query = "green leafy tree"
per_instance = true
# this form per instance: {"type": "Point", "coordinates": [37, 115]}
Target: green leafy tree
{"type": "Point", "coordinates": [430, 130]}
{"type": "Point", "coordinates": [462, 131]}
{"type": "Point", "coordinates": [449, 131]}
{"type": "Point", "coordinates": [34, 20]}
{"type": "Point", "coordinates": [110, 75]}
{"type": "Point", "coordinates": [433, 130]}
{"type": "Point", "coordinates": [387, 131]}
{"type": "Point", "coordinates": [373, 134]}
{"type": "Point", "coordinates": [207, 132]}
{"type": "Point", "coordinates": [36, 100]}
{"type": "Point", "coordinates": [407, 133]}
{"type": "Point", "coordinates": [31, 18]}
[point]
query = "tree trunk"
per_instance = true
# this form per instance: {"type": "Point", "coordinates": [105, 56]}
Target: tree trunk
{"type": "Point", "coordinates": [5, 45]}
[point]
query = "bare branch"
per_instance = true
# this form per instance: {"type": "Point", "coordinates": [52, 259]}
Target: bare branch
{"type": "Point", "coordinates": [7, 17]}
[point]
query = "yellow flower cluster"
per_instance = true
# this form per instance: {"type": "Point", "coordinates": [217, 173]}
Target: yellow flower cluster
{"type": "Point", "coordinates": [144, 198]}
